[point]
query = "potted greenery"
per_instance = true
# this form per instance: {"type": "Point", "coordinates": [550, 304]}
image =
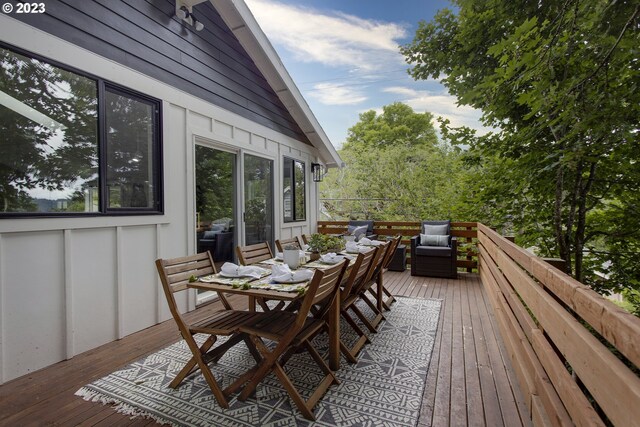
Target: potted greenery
{"type": "Point", "coordinates": [323, 243]}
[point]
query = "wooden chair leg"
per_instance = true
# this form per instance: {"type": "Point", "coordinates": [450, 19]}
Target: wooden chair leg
{"type": "Point", "coordinates": [269, 358]}
{"type": "Point", "coordinates": [215, 354]}
{"type": "Point", "coordinates": [383, 302]}
{"type": "Point", "coordinates": [190, 366]}
{"type": "Point", "coordinates": [225, 301]}
{"type": "Point", "coordinates": [206, 372]}
{"type": "Point", "coordinates": [378, 314]}
{"type": "Point", "coordinates": [362, 338]}
{"type": "Point", "coordinates": [293, 393]}
{"type": "Point", "coordinates": [391, 298]}
{"type": "Point", "coordinates": [363, 319]}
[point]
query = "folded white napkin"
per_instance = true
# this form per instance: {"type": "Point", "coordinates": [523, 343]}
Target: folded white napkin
{"type": "Point", "coordinates": [282, 273]}
{"type": "Point", "coordinates": [376, 242]}
{"type": "Point", "coordinates": [279, 255]}
{"type": "Point", "coordinates": [364, 241]}
{"type": "Point", "coordinates": [352, 247]}
{"type": "Point", "coordinates": [331, 258]}
{"type": "Point", "coordinates": [232, 269]}
{"type": "Point", "coordinates": [305, 247]}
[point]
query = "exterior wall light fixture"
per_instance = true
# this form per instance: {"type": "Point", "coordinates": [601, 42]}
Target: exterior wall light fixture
{"type": "Point", "coordinates": [318, 171]}
{"type": "Point", "coordinates": [185, 13]}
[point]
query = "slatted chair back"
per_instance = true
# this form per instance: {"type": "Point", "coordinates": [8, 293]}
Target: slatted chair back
{"type": "Point", "coordinates": [395, 242]}
{"type": "Point", "coordinates": [358, 273]}
{"type": "Point", "coordinates": [305, 239]}
{"type": "Point", "coordinates": [376, 265]}
{"type": "Point", "coordinates": [253, 254]}
{"type": "Point", "coordinates": [321, 292]}
{"type": "Point", "coordinates": [281, 243]}
{"type": "Point", "coordinates": [175, 273]}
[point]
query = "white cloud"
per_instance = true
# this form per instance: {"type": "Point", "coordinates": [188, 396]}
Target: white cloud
{"type": "Point", "coordinates": [440, 104]}
{"type": "Point", "coordinates": [336, 94]}
{"type": "Point", "coordinates": [333, 39]}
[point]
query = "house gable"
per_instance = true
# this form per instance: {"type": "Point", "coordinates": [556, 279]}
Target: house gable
{"type": "Point", "coordinates": [146, 36]}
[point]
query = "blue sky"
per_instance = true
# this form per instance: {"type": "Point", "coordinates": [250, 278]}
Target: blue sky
{"type": "Point", "coordinates": [344, 57]}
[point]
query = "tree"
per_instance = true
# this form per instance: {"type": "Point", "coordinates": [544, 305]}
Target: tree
{"type": "Point", "coordinates": [396, 170]}
{"type": "Point", "coordinates": [559, 81]}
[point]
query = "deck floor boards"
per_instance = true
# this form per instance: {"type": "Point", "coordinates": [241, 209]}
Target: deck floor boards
{"type": "Point", "coordinates": [470, 379]}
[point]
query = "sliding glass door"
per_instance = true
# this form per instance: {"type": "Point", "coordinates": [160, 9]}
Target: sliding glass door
{"type": "Point", "coordinates": [215, 201]}
{"type": "Point", "coordinates": [258, 200]}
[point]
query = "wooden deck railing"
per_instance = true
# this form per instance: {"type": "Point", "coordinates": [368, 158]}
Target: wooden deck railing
{"type": "Point", "coordinates": [566, 373]}
{"type": "Point", "coordinates": [464, 231]}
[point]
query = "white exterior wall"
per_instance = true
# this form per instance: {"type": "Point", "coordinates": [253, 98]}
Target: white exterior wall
{"type": "Point", "coordinates": [68, 285]}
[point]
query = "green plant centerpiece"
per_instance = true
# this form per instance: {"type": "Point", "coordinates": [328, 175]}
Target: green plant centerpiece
{"type": "Point", "coordinates": [323, 243]}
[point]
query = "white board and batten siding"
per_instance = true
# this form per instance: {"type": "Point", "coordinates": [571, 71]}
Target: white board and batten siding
{"type": "Point", "coordinates": [68, 285]}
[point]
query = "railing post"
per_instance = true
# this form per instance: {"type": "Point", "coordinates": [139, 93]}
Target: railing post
{"type": "Point", "coordinates": [469, 240]}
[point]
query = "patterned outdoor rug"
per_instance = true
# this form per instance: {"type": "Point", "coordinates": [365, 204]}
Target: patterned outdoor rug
{"type": "Point", "coordinates": [383, 389]}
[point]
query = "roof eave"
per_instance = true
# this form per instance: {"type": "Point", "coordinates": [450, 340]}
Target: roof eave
{"type": "Point", "coordinates": [244, 26]}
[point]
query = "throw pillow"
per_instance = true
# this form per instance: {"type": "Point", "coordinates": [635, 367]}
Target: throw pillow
{"type": "Point", "coordinates": [351, 228]}
{"type": "Point", "coordinates": [439, 230]}
{"type": "Point", "coordinates": [359, 231]}
{"type": "Point", "coordinates": [218, 227]}
{"type": "Point", "coordinates": [434, 240]}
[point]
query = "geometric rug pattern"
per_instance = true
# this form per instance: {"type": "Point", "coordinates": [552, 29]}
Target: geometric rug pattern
{"type": "Point", "coordinates": [384, 388]}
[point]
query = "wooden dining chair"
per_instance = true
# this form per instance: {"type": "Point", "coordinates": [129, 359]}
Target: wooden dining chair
{"type": "Point", "coordinates": [383, 303]}
{"type": "Point", "coordinates": [292, 332]}
{"type": "Point", "coordinates": [358, 276]}
{"type": "Point", "coordinates": [305, 239]}
{"type": "Point", "coordinates": [281, 243]}
{"type": "Point", "coordinates": [253, 254]}
{"type": "Point", "coordinates": [175, 275]}
{"type": "Point", "coordinates": [374, 271]}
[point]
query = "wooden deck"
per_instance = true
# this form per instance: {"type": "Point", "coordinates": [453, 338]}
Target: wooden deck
{"type": "Point", "coordinates": [470, 380]}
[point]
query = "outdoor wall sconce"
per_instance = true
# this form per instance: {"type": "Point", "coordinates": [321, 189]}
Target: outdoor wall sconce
{"type": "Point", "coordinates": [185, 13]}
{"type": "Point", "coordinates": [318, 171]}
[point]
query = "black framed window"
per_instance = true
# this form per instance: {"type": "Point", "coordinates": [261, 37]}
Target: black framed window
{"type": "Point", "coordinates": [71, 144]}
{"type": "Point", "coordinates": [293, 187]}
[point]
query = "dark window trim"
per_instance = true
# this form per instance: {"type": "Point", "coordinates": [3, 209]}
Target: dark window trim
{"type": "Point", "coordinates": [156, 152]}
{"type": "Point", "coordinates": [101, 86]}
{"type": "Point", "coordinates": [293, 189]}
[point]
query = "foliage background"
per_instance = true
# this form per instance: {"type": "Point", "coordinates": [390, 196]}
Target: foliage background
{"type": "Point", "coordinates": [558, 81]}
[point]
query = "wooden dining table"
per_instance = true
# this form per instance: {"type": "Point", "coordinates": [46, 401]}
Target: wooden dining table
{"type": "Point", "coordinates": [224, 285]}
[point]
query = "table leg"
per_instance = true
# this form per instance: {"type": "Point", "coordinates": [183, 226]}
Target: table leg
{"type": "Point", "coordinates": [252, 303]}
{"type": "Point", "coordinates": [334, 333]}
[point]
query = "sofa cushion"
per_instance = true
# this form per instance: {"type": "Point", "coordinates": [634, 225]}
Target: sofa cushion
{"type": "Point", "coordinates": [438, 251]}
{"type": "Point", "coordinates": [218, 227]}
{"type": "Point", "coordinates": [368, 223]}
{"type": "Point", "coordinates": [437, 230]}
{"type": "Point", "coordinates": [359, 231]}
{"type": "Point", "coordinates": [434, 240]}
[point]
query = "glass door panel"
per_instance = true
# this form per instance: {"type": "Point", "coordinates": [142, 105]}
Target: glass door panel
{"type": "Point", "coordinates": [215, 202]}
{"type": "Point", "coordinates": [258, 200]}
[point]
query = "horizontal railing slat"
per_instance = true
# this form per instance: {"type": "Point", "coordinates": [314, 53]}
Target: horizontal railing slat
{"type": "Point", "coordinates": [577, 405]}
{"type": "Point", "coordinates": [620, 328]}
{"type": "Point", "coordinates": [464, 231]}
{"type": "Point", "coordinates": [613, 385]}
